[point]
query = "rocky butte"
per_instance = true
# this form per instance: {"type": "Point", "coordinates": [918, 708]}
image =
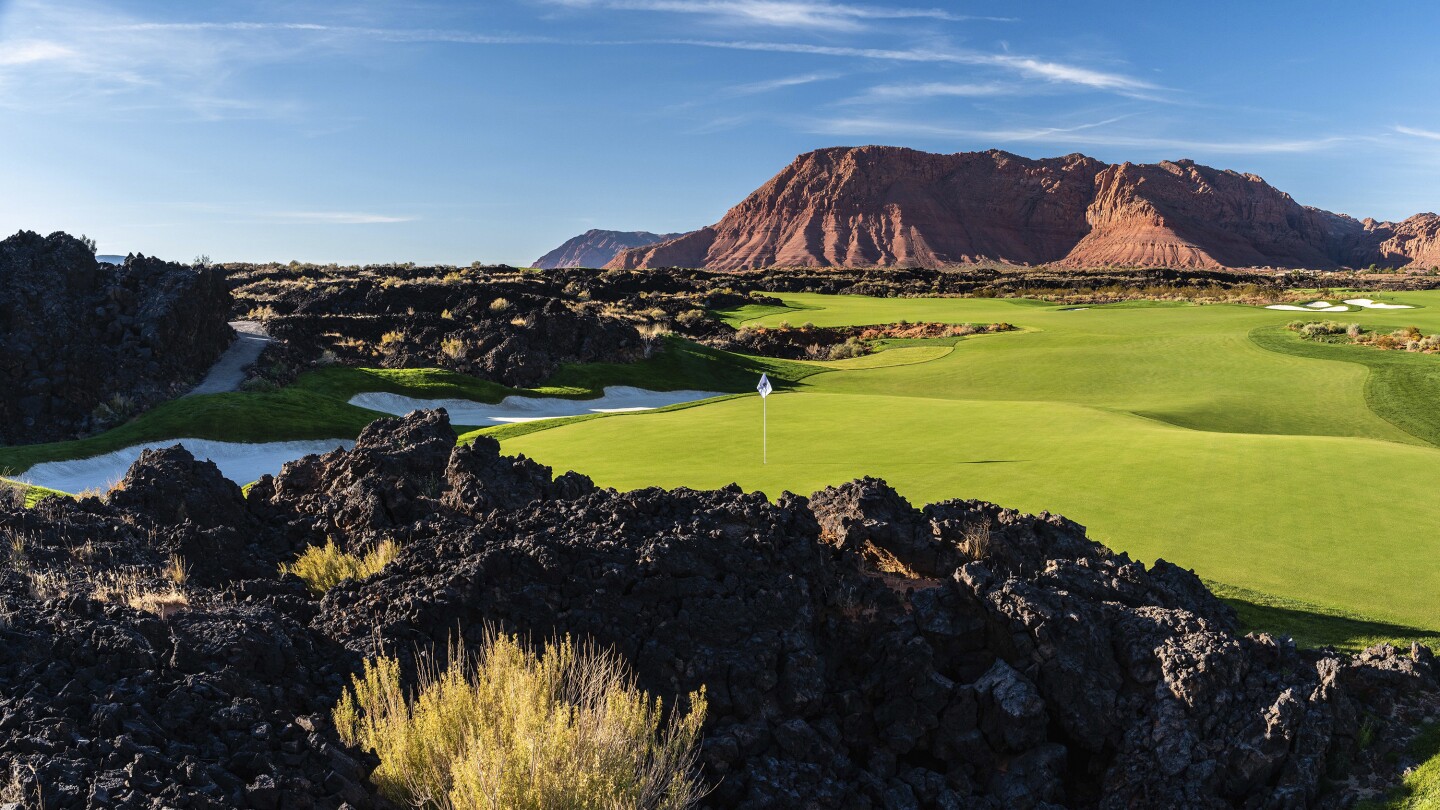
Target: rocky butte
{"type": "Point", "coordinates": [595, 248]}
{"type": "Point", "coordinates": [893, 207]}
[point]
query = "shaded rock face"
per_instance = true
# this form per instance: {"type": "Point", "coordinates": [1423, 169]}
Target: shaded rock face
{"type": "Point", "coordinates": [84, 344]}
{"type": "Point", "coordinates": [1414, 242]}
{"type": "Point", "coordinates": [595, 248]}
{"type": "Point", "coordinates": [891, 207]}
{"type": "Point", "coordinates": [857, 652]}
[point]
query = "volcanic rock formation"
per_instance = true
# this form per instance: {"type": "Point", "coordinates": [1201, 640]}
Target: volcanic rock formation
{"type": "Point", "coordinates": [83, 343]}
{"type": "Point", "coordinates": [595, 248]}
{"type": "Point", "coordinates": [857, 652]}
{"type": "Point", "coordinates": [893, 207]}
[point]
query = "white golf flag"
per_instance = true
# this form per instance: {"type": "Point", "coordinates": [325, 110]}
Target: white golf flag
{"type": "Point", "coordinates": [764, 386]}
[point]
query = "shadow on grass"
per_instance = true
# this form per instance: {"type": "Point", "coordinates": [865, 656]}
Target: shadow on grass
{"type": "Point", "coordinates": [1315, 626]}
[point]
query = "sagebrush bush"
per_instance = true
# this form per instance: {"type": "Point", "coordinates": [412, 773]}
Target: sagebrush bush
{"type": "Point", "coordinates": [852, 347]}
{"type": "Point", "coordinates": [568, 728]}
{"type": "Point", "coordinates": [324, 567]}
{"type": "Point", "coordinates": [1318, 328]}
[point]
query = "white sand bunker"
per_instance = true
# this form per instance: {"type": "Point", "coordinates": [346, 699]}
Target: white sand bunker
{"type": "Point", "coordinates": [240, 462]}
{"type": "Point", "coordinates": [1318, 306]}
{"type": "Point", "coordinates": [1368, 304]}
{"type": "Point", "coordinates": [617, 399]}
{"type": "Point", "coordinates": [1326, 306]}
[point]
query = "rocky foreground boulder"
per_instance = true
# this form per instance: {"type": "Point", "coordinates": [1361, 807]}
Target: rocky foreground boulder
{"type": "Point", "coordinates": [84, 345]}
{"type": "Point", "coordinates": [857, 652]}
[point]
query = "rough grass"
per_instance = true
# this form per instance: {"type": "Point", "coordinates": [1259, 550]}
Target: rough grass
{"type": "Point", "coordinates": [324, 567]}
{"type": "Point", "coordinates": [508, 727]}
{"type": "Point", "coordinates": [1401, 387]}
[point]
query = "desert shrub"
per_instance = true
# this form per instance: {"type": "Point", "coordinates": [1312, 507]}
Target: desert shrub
{"type": "Point", "coordinates": [392, 339]}
{"type": "Point", "coordinates": [852, 347]}
{"type": "Point", "coordinates": [1318, 328]}
{"type": "Point", "coordinates": [975, 541]}
{"type": "Point", "coordinates": [510, 728]}
{"type": "Point", "coordinates": [324, 567]}
{"type": "Point", "coordinates": [690, 317]}
{"type": "Point", "coordinates": [499, 305]}
{"type": "Point", "coordinates": [453, 348]}
{"type": "Point", "coordinates": [260, 313]}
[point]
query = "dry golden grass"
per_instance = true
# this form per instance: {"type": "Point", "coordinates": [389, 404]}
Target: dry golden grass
{"type": "Point", "coordinates": [510, 728]}
{"type": "Point", "coordinates": [324, 567]}
{"type": "Point", "coordinates": [129, 588]}
{"type": "Point", "coordinates": [453, 348]}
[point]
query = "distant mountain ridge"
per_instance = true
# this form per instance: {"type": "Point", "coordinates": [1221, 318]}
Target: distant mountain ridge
{"type": "Point", "coordinates": [894, 207]}
{"type": "Point", "coordinates": [595, 248]}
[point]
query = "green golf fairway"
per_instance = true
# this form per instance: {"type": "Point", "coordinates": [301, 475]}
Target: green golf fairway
{"type": "Point", "coordinates": [1203, 435]}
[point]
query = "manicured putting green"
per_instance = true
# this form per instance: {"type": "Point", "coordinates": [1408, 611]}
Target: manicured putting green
{"type": "Point", "coordinates": [1168, 431]}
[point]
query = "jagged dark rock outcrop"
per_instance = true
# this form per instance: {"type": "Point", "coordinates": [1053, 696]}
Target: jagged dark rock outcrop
{"type": "Point", "coordinates": [857, 652]}
{"type": "Point", "coordinates": [84, 344]}
{"type": "Point", "coordinates": [492, 323]}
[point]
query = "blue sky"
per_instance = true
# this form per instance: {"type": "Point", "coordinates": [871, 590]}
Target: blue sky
{"type": "Point", "coordinates": [492, 131]}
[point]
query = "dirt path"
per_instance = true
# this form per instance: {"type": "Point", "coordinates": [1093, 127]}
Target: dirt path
{"type": "Point", "coordinates": [228, 372]}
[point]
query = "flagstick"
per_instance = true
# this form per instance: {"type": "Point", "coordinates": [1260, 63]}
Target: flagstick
{"type": "Point", "coordinates": [764, 430]}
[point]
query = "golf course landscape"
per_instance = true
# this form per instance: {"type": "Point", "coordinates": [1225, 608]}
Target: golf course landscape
{"type": "Point", "coordinates": [1292, 475]}
{"type": "Point", "coordinates": [1206, 435]}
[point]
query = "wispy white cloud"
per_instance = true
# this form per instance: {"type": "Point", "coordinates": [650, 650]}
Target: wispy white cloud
{"type": "Point", "coordinates": [1416, 132]}
{"type": "Point", "coordinates": [85, 55]}
{"type": "Point", "coordinates": [1024, 66]}
{"type": "Point", "coordinates": [812, 15]}
{"type": "Point", "coordinates": [927, 90]}
{"type": "Point", "coordinates": [334, 218]}
{"type": "Point", "coordinates": [24, 53]}
{"type": "Point", "coordinates": [1087, 134]}
{"type": "Point", "coordinates": [780, 83]}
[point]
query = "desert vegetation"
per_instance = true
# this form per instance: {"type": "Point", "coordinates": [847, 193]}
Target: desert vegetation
{"type": "Point", "coordinates": [324, 567]}
{"type": "Point", "coordinates": [506, 726]}
{"type": "Point", "coordinates": [810, 342]}
{"type": "Point", "coordinates": [1407, 339]}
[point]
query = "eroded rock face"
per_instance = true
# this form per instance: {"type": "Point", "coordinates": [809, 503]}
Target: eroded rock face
{"type": "Point", "coordinates": [857, 652]}
{"type": "Point", "coordinates": [595, 248]}
{"type": "Point", "coordinates": [891, 207]}
{"type": "Point", "coordinates": [894, 207]}
{"type": "Point", "coordinates": [83, 345]}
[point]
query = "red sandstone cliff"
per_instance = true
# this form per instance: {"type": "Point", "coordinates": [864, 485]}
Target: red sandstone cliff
{"type": "Point", "coordinates": [888, 206]}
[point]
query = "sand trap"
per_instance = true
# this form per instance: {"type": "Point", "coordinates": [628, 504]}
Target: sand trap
{"type": "Point", "coordinates": [617, 399]}
{"type": "Point", "coordinates": [1368, 304]}
{"type": "Point", "coordinates": [1315, 307]}
{"type": "Point", "coordinates": [240, 462]}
